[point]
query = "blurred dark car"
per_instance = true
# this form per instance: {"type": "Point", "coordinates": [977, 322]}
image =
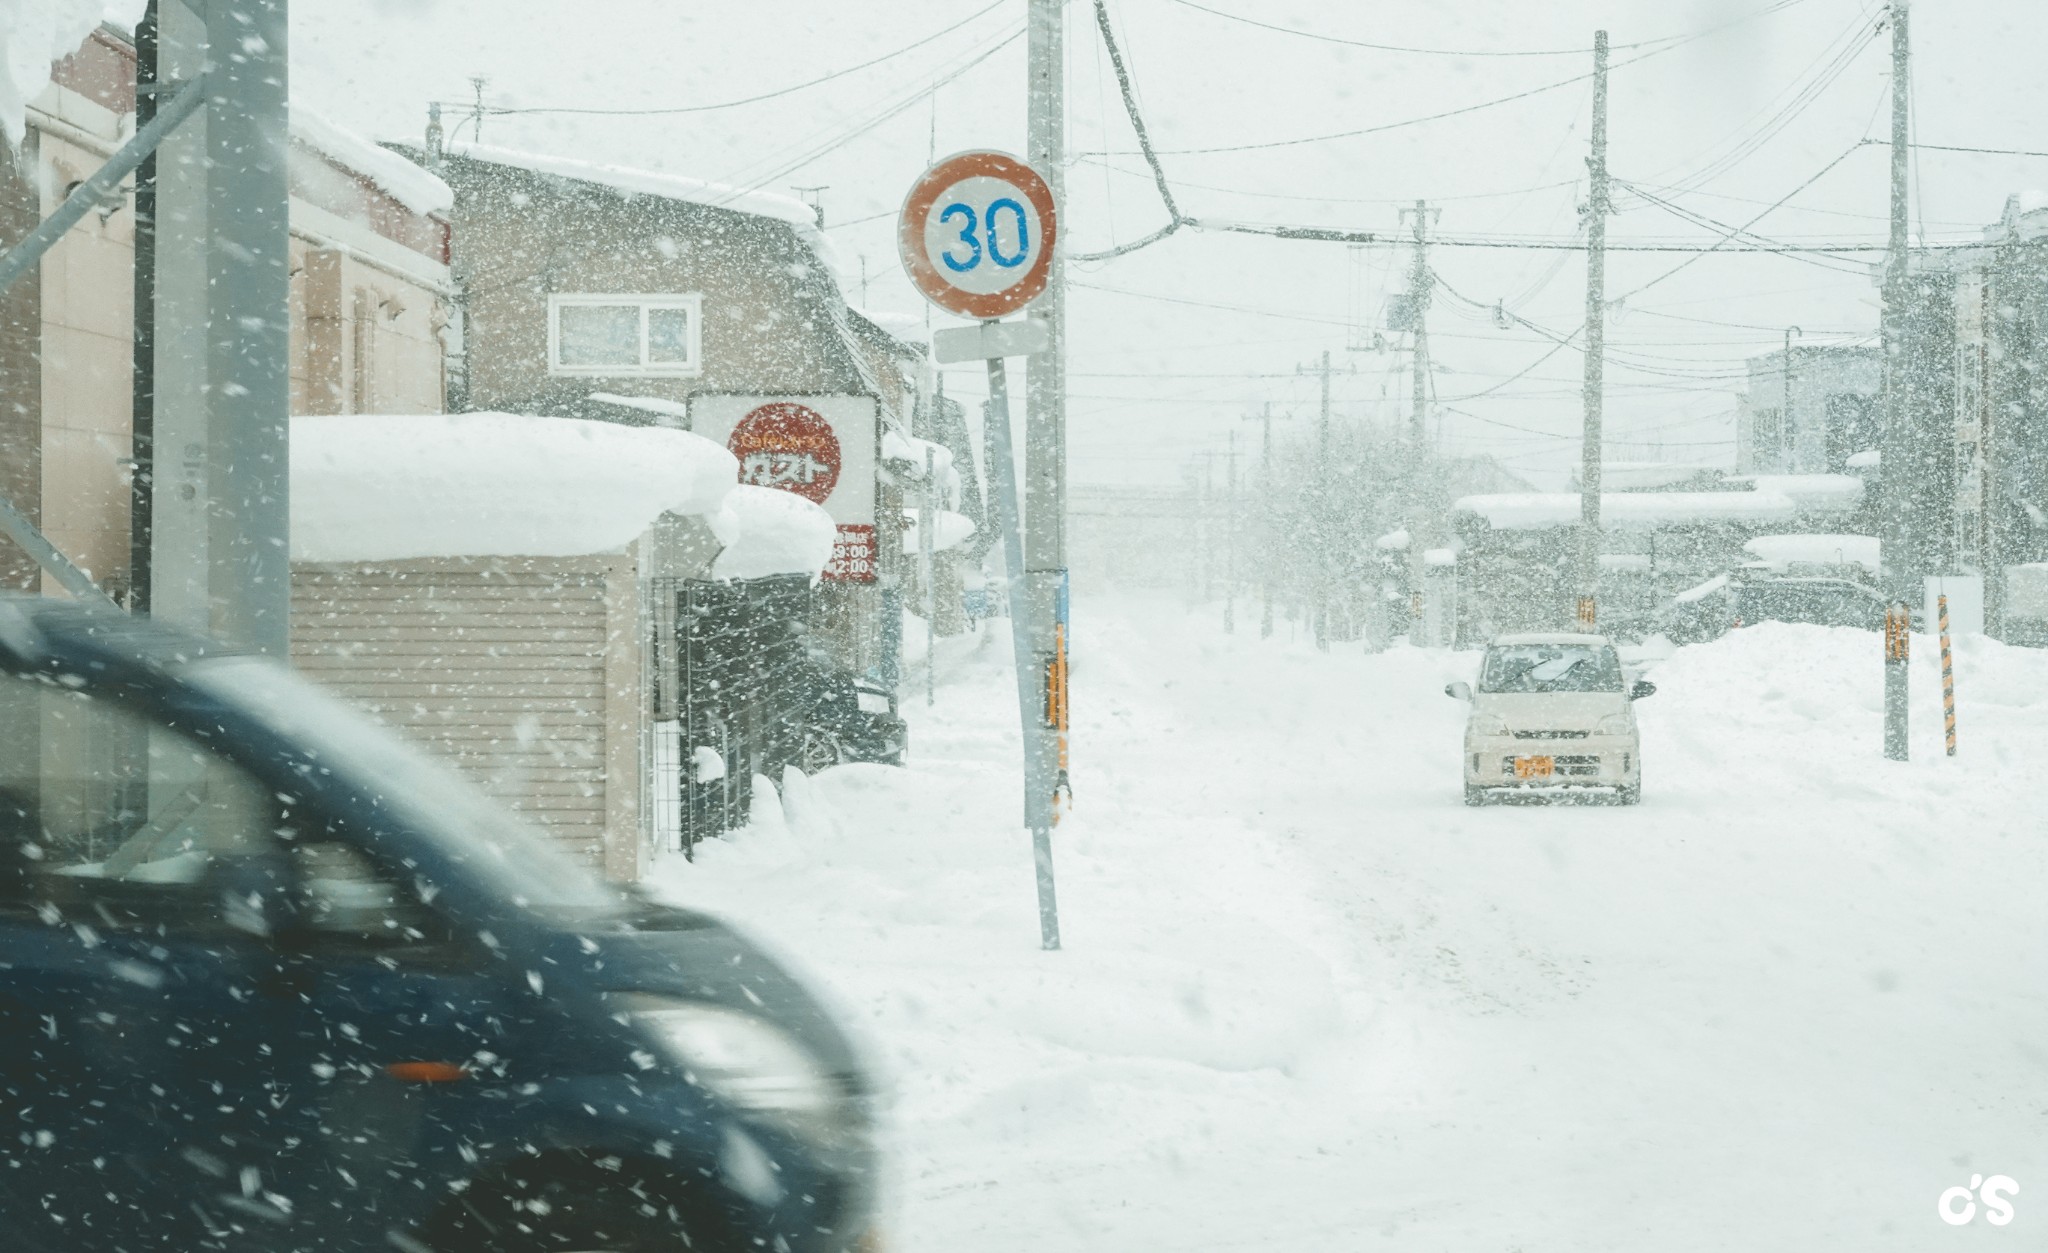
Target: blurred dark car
{"type": "Point", "coordinates": [271, 982]}
{"type": "Point", "coordinates": [1745, 597]}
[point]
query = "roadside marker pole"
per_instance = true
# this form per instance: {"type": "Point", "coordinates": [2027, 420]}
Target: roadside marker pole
{"type": "Point", "coordinates": [1948, 678]}
{"type": "Point", "coordinates": [1898, 642]}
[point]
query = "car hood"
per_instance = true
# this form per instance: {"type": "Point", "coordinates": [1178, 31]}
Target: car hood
{"type": "Point", "coordinates": [1549, 711]}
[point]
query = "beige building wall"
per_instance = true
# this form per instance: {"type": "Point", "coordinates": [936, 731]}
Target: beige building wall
{"type": "Point", "coordinates": [87, 323]}
{"type": "Point", "coordinates": [367, 314]}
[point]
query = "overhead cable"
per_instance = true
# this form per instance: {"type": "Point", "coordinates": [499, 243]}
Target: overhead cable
{"type": "Point", "coordinates": [734, 104]}
{"type": "Point", "coordinates": [1473, 52]}
{"type": "Point", "coordinates": [1123, 83]}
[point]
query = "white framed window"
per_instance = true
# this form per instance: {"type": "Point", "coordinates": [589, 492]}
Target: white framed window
{"type": "Point", "coordinates": [608, 334]}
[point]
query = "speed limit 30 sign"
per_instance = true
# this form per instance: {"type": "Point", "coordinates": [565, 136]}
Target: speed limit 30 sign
{"type": "Point", "coordinates": [977, 234]}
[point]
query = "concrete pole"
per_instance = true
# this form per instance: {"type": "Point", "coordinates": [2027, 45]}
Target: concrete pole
{"type": "Point", "coordinates": [1045, 403]}
{"type": "Point", "coordinates": [1420, 534]}
{"type": "Point", "coordinates": [1895, 526]}
{"type": "Point", "coordinates": [1596, 348]}
{"type": "Point", "coordinates": [1788, 438]}
{"type": "Point", "coordinates": [249, 322]}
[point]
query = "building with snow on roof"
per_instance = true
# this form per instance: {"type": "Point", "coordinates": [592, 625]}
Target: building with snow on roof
{"type": "Point", "coordinates": [369, 306]}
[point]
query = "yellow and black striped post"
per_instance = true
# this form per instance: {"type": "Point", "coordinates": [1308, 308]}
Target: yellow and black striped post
{"type": "Point", "coordinates": [1948, 678]}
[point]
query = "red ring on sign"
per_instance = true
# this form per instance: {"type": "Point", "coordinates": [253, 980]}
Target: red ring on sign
{"type": "Point", "coordinates": [917, 206]}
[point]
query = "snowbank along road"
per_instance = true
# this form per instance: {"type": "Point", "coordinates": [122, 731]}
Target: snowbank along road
{"type": "Point", "coordinates": [1309, 1000]}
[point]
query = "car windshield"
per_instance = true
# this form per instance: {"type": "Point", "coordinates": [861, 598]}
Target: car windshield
{"type": "Point", "coordinates": [517, 862]}
{"type": "Point", "coordinates": [1550, 668]}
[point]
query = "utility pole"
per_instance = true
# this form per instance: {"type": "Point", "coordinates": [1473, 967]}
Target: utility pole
{"type": "Point", "coordinates": [1596, 348]}
{"type": "Point", "coordinates": [1894, 527]}
{"type": "Point", "coordinates": [1420, 532]}
{"type": "Point", "coordinates": [1265, 419]}
{"type": "Point", "coordinates": [1323, 540]}
{"type": "Point", "coordinates": [1230, 541]}
{"type": "Point", "coordinates": [1045, 427]}
{"type": "Point", "coordinates": [219, 485]}
{"type": "Point", "coordinates": [1788, 436]}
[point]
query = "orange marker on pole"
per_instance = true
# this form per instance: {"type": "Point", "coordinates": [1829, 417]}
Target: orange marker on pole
{"type": "Point", "coordinates": [1948, 677]}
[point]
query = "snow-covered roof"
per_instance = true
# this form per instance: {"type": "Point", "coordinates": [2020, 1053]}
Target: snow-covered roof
{"type": "Point", "coordinates": [646, 404]}
{"type": "Point", "coordinates": [1440, 557]}
{"type": "Point", "coordinates": [766, 204]}
{"type": "Point", "coordinates": [1869, 458]}
{"type": "Point", "coordinates": [1780, 551]}
{"type": "Point", "coordinates": [420, 190]}
{"type": "Point", "coordinates": [1393, 541]}
{"type": "Point", "coordinates": [908, 327]}
{"type": "Point", "coordinates": [35, 35]}
{"type": "Point", "coordinates": [1531, 511]}
{"type": "Point", "coordinates": [388, 487]}
{"type": "Point", "coordinates": [1813, 493]}
{"type": "Point", "coordinates": [953, 530]}
{"type": "Point", "coordinates": [769, 531]}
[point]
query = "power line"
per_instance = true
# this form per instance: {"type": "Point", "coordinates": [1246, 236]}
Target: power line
{"type": "Point", "coordinates": [769, 95]}
{"type": "Point", "coordinates": [1472, 52]}
{"type": "Point", "coordinates": [1123, 83]}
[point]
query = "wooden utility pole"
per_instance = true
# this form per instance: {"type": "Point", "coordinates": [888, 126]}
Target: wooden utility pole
{"type": "Point", "coordinates": [1596, 347]}
{"type": "Point", "coordinates": [1894, 527]}
{"type": "Point", "coordinates": [1420, 530]}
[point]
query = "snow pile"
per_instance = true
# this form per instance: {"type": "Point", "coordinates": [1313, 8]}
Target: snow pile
{"type": "Point", "coordinates": [769, 531]}
{"type": "Point", "coordinates": [417, 189]}
{"type": "Point", "coordinates": [953, 530]}
{"type": "Point", "coordinates": [1780, 551]}
{"type": "Point", "coordinates": [369, 488]}
{"type": "Point", "coordinates": [35, 35]}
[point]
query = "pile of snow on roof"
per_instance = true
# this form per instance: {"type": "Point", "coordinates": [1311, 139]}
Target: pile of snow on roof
{"type": "Point", "coordinates": [390, 487]}
{"type": "Point", "coordinates": [35, 35]}
{"type": "Point", "coordinates": [769, 531]}
{"type": "Point", "coordinates": [408, 184]}
{"type": "Point", "coordinates": [766, 204]}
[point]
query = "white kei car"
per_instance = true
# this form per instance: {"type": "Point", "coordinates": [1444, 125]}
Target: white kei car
{"type": "Point", "coordinates": [1552, 712]}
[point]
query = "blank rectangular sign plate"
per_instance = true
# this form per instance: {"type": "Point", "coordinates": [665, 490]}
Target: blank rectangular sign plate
{"type": "Point", "coordinates": [1020, 338]}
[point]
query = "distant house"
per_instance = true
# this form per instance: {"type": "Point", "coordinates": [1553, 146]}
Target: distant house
{"type": "Point", "coordinates": [369, 288]}
{"type": "Point", "coordinates": [1832, 415]}
{"type": "Point", "coordinates": [596, 291]}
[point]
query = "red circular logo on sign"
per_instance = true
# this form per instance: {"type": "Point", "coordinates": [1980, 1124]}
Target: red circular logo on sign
{"type": "Point", "coordinates": [787, 446]}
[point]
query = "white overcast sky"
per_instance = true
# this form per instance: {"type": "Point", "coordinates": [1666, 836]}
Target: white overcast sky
{"type": "Point", "coordinates": [1172, 346]}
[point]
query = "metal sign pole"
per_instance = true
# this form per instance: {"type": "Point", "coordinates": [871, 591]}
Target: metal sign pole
{"type": "Point", "coordinates": [1898, 642]}
{"type": "Point", "coordinates": [1038, 780]}
{"type": "Point", "coordinates": [927, 547]}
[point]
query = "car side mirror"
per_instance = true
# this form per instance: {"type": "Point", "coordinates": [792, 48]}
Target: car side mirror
{"type": "Point", "coordinates": [1458, 691]}
{"type": "Point", "coordinates": [1642, 688]}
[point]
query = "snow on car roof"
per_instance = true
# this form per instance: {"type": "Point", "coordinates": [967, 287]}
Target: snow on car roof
{"type": "Point", "coordinates": [1553, 637]}
{"type": "Point", "coordinates": [394, 486]}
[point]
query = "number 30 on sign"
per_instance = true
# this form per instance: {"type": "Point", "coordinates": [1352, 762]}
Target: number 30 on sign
{"type": "Point", "coordinates": [977, 234]}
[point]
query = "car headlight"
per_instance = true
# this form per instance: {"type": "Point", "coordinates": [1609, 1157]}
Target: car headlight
{"type": "Point", "coordinates": [1613, 724]}
{"type": "Point", "coordinates": [1487, 724]}
{"type": "Point", "coordinates": [741, 1059]}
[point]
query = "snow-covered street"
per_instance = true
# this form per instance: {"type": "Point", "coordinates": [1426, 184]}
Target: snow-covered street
{"type": "Point", "coordinates": [1309, 1000]}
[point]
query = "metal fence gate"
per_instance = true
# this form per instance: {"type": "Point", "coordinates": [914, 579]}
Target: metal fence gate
{"type": "Point", "coordinates": [732, 691]}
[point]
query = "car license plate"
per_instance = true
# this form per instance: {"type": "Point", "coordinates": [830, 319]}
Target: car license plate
{"type": "Point", "coordinates": [1533, 767]}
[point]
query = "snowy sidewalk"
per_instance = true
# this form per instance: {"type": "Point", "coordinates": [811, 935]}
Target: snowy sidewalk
{"type": "Point", "coordinates": [1310, 1000]}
